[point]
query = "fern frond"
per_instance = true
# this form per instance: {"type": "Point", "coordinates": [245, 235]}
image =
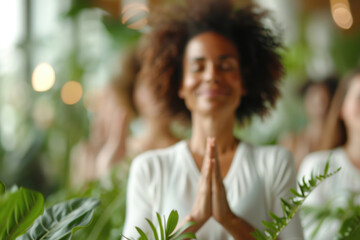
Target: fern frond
{"type": "Point", "coordinates": [291, 205]}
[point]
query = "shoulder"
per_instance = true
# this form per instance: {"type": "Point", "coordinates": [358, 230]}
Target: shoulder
{"type": "Point", "coordinates": [316, 162]}
{"type": "Point", "coordinates": [156, 160]}
{"type": "Point", "coordinates": [272, 154]}
{"type": "Point", "coordinates": [270, 158]}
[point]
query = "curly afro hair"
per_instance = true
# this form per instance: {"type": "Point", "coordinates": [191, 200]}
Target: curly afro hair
{"type": "Point", "coordinates": [172, 26]}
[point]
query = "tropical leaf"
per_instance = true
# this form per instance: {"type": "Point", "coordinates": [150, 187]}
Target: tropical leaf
{"type": "Point", "coordinates": [18, 210]}
{"type": "Point", "coordinates": [59, 221]}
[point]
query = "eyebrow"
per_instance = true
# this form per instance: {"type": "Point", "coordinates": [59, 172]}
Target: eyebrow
{"type": "Point", "coordinates": [222, 57]}
{"type": "Point", "coordinates": [227, 56]}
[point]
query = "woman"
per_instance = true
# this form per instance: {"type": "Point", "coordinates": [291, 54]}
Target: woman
{"type": "Point", "coordinates": [125, 98]}
{"type": "Point", "coordinates": [317, 97]}
{"type": "Point", "coordinates": [216, 64]}
{"type": "Point", "coordinates": [341, 146]}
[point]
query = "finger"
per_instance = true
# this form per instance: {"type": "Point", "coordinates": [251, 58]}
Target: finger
{"type": "Point", "coordinates": [216, 162]}
{"type": "Point", "coordinates": [216, 178]}
{"type": "Point", "coordinates": [207, 158]}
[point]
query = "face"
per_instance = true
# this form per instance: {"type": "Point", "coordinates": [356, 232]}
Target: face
{"type": "Point", "coordinates": [350, 111]}
{"type": "Point", "coordinates": [211, 81]}
{"type": "Point", "coordinates": [145, 102]}
{"type": "Point", "coordinates": [317, 100]}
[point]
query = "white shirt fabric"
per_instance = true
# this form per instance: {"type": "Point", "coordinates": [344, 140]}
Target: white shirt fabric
{"type": "Point", "coordinates": [167, 179]}
{"type": "Point", "coordinates": [335, 189]}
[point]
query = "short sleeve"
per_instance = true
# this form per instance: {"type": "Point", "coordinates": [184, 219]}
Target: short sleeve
{"type": "Point", "coordinates": [138, 199]}
{"type": "Point", "coordinates": [282, 179]}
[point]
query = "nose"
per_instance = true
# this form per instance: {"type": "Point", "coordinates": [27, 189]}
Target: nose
{"type": "Point", "coordinates": [211, 73]}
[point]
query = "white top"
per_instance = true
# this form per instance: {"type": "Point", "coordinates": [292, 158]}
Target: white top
{"type": "Point", "coordinates": [167, 179]}
{"type": "Point", "coordinates": [336, 188]}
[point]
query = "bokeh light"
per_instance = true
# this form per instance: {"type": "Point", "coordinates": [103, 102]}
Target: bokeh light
{"type": "Point", "coordinates": [134, 15]}
{"type": "Point", "coordinates": [340, 10]}
{"type": "Point", "coordinates": [43, 77]}
{"type": "Point", "coordinates": [71, 92]}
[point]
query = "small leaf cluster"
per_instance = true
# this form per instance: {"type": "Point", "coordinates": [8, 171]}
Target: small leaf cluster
{"type": "Point", "coordinates": [291, 205]}
{"type": "Point", "coordinates": [167, 229]}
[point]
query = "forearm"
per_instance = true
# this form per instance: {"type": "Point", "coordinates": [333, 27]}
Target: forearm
{"type": "Point", "coordinates": [238, 228]}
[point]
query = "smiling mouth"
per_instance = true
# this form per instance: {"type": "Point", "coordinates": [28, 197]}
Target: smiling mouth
{"type": "Point", "coordinates": [212, 93]}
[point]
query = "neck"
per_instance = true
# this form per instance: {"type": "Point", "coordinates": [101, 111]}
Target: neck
{"type": "Point", "coordinates": [219, 128]}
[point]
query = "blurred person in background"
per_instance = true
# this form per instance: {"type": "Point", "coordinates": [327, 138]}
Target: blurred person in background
{"type": "Point", "coordinates": [340, 143]}
{"type": "Point", "coordinates": [316, 97]}
{"type": "Point", "coordinates": [111, 141]}
{"type": "Point", "coordinates": [217, 64]}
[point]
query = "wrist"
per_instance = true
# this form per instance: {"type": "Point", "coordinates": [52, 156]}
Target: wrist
{"type": "Point", "coordinates": [198, 223]}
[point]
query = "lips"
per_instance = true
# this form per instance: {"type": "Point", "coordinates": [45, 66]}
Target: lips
{"type": "Point", "coordinates": [211, 93]}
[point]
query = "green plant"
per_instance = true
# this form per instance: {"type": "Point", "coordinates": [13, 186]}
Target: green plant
{"type": "Point", "coordinates": [167, 228]}
{"type": "Point", "coordinates": [348, 215]}
{"type": "Point", "coordinates": [20, 210]}
{"type": "Point", "coordinates": [291, 206]}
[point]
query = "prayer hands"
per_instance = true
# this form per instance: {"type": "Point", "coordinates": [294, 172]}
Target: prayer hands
{"type": "Point", "coordinates": [211, 198]}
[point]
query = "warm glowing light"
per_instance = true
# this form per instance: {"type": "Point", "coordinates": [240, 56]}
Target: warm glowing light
{"type": "Point", "coordinates": [43, 77]}
{"type": "Point", "coordinates": [134, 15]}
{"type": "Point", "coordinates": [340, 10]}
{"type": "Point", "coordinates": [71, 92]}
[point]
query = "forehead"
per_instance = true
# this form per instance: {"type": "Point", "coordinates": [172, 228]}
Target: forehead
{"type": "Point", "coordinates": [210, 44]}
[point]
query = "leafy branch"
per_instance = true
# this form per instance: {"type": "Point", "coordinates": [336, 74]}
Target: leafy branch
{"type": "Point", "coordinates": [167, 229]}
{"type": "Point", "coordinates": [291, 206]}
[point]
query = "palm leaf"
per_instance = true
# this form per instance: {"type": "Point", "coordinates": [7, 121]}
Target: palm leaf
{"type": "Point", "coordinates": [18, 210]}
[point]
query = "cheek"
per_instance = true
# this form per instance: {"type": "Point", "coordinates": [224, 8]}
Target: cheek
{"type": "Point", "coordinates": [188, 84]}
{"type": "Point", "coordinates": [350, 110]}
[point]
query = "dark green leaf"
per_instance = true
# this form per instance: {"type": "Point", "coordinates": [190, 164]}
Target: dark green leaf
{"type": "Point", "coordinates": [142, 234]}
{"type": "Point", "coordinates": [258, 235]}
{"type": "Point", "coordinates": [181, 230]}
{"type": "Point", "coordinates": [185, 236]}
{"type": "Point", "coordinates": [156, 236]}
{"type": "Point", "coordinates": [58, 221]}
{"type": "Point", "coordinates": [161, 227]}
{"type": "Point", "coordinates": [294, 192]}
{"type": "Point", "coordinates": [326, 167]}
{"type": "Point", "coordinates": [269, 225]}
{"type": "Point", "coordinates": [172, 222]}
{"type": "Point", "coordinates": [18, 210]}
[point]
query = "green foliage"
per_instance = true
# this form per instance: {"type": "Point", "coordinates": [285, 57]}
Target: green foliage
{"type": "Point", "coordinates": [18, 210]}
{"type": "Point", "coordinates": [350, 228]}
{"type": "Point", "coordinates": [167, 228]}
{"type": "Point", "coordinates": [109, 217]}
{"type": "Point", "coordinates": [2, 188]}
{"type": "Point", "coordinates": [291, 206]}
{"type": "Point", "coordinates": [58, 221]}
{"type": "Point", "coordinates": [348, 215]}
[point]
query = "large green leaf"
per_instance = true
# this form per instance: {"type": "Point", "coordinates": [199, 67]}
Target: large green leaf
{"type": "Point", "coordinates": [59, 221]}
{"type": "Point", "coordinates": [18, 210]}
